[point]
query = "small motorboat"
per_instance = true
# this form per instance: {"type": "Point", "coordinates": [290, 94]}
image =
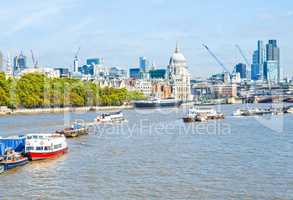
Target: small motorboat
{"type": "Point", "coordinates": [110, 117]}
{"type": "Point", "coordinates": [76, 130]}
{"type": "Point", "coordinates": [12, 160]}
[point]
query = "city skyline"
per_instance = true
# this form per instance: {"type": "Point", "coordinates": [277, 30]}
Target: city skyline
{"type": "Point", "coordinates": [55, 29]}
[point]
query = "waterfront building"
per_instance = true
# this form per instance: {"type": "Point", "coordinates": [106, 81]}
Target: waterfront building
{"type": "Point", "coordinates": [161, 89]}
{"type": "Point", "coordinates": [134, 73]}
{"type": "Point", "coordinates": [144, 86]}
{"type": "Point", "coordinates": [224, 91]}
{"type": "Point", "coordinates": [241, 69]}
{"type": "Point", "coordinates": [179, 76]}
{"type": "Point", "coordinates": [201, 91]}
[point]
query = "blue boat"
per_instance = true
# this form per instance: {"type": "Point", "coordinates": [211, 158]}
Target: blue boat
{"type": "Point", "coordinates": [12, 160]}
{"type": "Point", "coordinates": [16, 143]}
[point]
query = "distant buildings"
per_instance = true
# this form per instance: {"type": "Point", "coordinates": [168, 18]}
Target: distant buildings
{"type": "Point", "coordinates": [63, 72]}
{"type": "Point", "coordinates": [134, 73]}
{"type": "Point", "coordinates": [179, 76]}
{"type": "Point", "coordinates": [266, 62]}
{"type": "Point", "coordinates": [272, 64]}
{"type": "Point", "coordinates": [19, 62]}
{"type": "Point", "coordinates": [241, 69]}
{"type": "Point", "coordinates": [94, 61]}
{"type": "Point", "coordinates": [143, 63]}
{"type": "Point", "coordinates": [158, 73]}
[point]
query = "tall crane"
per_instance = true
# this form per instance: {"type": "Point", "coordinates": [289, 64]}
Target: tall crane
{"type": "Point", "coordinates": [35, 62]}
{"type": "Point", "coordinates": [242, 54]}
{"type": "Point", "coordinates": [216, 58]}
{"type": "Point", "coordinates": [77, 53]}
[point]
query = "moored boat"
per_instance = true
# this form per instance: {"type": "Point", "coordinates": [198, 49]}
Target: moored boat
{"type": "Point", "coordinates": [43, 146]}
{"type": "Point", "coordinates": [202, 114]}
{"type": "Point", "coordinates": [252, 112]}
{"type": "Point", "coordinates": [155, 103]}
{"type": "Point", "coordinates": [15, 143]}
{"type": "Point", "coordinates": [76, 130]}
{"type": "Point", "coordinates": [12, 160]}
{"type": "Point", "coordinates": [110, 117]}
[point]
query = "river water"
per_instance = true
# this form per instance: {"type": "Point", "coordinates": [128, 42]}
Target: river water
{"type": "Point", "coordinates": [156, 156]}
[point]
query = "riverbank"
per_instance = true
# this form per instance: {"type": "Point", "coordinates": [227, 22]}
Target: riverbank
{"type": "Point", "coordinates": [6, 111]}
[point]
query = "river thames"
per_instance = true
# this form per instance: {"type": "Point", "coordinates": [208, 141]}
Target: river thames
{"type": "Point", "coordinates": [156, 156]}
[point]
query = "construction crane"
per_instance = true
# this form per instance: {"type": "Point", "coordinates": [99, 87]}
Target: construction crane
{"type": "Point", "coordinates": [35, 62]}
{"type": "Point", "coordinates": [77, 53]}
{"type": "Point", "coordinates": [216, 58]}
{"type": "Point", "coordinates": [242, 54]}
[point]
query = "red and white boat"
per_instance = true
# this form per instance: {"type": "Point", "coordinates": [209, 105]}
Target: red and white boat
{"type": "Point", "coordinates": [42, 146]}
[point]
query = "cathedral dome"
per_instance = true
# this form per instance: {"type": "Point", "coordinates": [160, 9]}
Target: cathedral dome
{"type": "Point", "coordinates": [177, 57]}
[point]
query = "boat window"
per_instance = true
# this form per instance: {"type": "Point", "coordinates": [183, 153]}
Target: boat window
{"type": "Point", "coordinates": [29, 148]}
{"type": "Point", "coordinates": [41, 137]}
{"type": "Point", "coordinates": [39, 148]}
{"type": "Point", "coordinates": [35, 137]}
{"type": "Point", "coordinates": [29, 137]}
{"type": "Point", "coordinates": [47, 148]}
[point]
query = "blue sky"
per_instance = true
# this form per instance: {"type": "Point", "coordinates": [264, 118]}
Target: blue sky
{"type": "Point", "coordinates": [122, 30]}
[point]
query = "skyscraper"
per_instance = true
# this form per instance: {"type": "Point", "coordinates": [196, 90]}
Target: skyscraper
{"type": "Point", "coordinates": [19, 62]}
{"type": "Point", "coordinates": [254, 66]}
{"type": "Point", "coordinates": [272, 64]}
{"type": "Point", "coordinates": [143, 63]}
{"type": "Point", "coordinates": [259, 57]}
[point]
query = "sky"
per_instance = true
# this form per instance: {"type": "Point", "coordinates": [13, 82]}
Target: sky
{"type": "Point", "coordinates": [120, 31]}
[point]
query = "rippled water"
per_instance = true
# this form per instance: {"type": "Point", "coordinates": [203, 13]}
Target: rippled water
{"type": "Point", "coordinates": [156, 156]}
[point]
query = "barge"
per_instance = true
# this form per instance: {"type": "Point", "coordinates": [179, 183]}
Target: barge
{"type": "Point", "coordinates": [76, 130]}
{"type": "Point", "coordinates": [157, 103]}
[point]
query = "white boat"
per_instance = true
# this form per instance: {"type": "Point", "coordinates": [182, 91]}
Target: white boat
{"type": "Point", "coordinates": [42, 146]}
{"type": "Point", "coordinates": [290, 110]}
{"type": "Point", "coordinates": [252, 112]}
{"type": "Point", "coordinates": [202, 114]}
{"type": "Point", "coordinates": [110, 117]}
